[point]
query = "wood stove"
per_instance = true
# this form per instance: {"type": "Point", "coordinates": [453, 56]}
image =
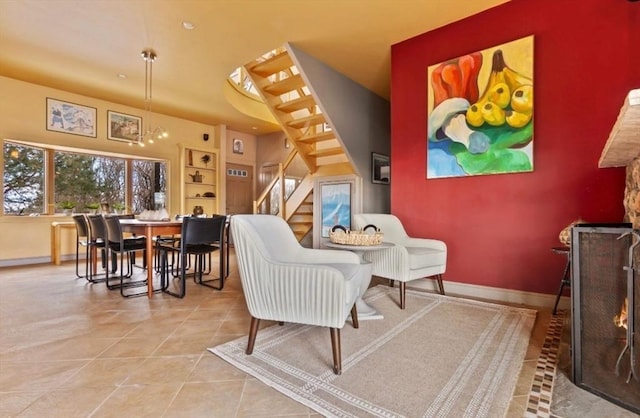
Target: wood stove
{"type": "Point", "coordinates": [605, 318]}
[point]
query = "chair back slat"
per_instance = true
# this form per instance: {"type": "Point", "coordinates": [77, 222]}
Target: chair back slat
{"type": "Point", "coordinates": [114, 231]}
{"type": "Point", "coordinates": [97, 228]}
{"type": "Point", "coordinates": [81, 225]}
{"type": "Point", "coordinates": [202, 231]}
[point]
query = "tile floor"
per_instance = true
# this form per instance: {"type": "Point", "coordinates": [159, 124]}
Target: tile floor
{"type": "Point", "coordinates": [73, 349]}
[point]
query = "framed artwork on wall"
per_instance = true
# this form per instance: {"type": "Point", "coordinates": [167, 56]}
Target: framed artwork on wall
{"type": "Point", "coordinates": [480, 112]}
{"type": "Point", "coordinates": [380, 169]}
{"type": "Point", "coordinates": [71, 118]}
{"type": "Point", "coordinates": [238, 146]}
{"type": "Point", "coordinates": [335, 202]}
{"type": "Point", "coordinates": [123, 127]}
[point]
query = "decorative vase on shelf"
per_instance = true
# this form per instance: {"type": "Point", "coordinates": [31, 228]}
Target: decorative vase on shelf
{"type": "Point", "coordinates": [198, 210]}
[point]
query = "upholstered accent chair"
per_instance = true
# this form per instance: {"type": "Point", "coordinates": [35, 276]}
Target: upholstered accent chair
{"type": "Point", "coordinates": [285, 282]}
{"type": "Point", "coordinates": [409, 259]}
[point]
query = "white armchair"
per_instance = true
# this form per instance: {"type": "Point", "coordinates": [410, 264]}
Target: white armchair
{"type": "Point", "coordinates": [410, 258]}
{"type": "Point", "coordinates": [285, 282]}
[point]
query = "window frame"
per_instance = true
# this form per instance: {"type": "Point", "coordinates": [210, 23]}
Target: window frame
{"type": "Point", "coordinates": [49, 204]}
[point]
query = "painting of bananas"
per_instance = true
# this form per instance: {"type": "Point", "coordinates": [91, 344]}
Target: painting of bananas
{"type": "Point", "coordinates": [480, 112]}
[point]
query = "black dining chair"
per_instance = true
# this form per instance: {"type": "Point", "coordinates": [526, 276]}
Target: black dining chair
{"type": "Point", "coordinates": [118, 244]}
{"type": "Point", "coordinates": [98, 240]}
{"type": "Point", "coordinates": [198, 237]}
{"type": "Point", "coordinates": [82, 240]}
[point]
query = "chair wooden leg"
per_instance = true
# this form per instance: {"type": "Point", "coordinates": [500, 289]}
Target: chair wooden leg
{"type": "Point", "coordinates": [403, 288]}
{"type": "Point", "coordinates": [390, 283]}
{"type": "Point", "coordinates": [354, 316]}
{"type": "Point", "coordinates": [440, 284]}
{"type": "Point", "coordinates": [336, 349]}
{"type": "Point", "coordinates": [253, 331]}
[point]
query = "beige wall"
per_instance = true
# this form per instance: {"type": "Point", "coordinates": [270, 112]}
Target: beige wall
{"type": "Point", "coordinates": [23, 117]}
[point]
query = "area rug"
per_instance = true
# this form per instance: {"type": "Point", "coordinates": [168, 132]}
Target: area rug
{"type": "Point", "coordinates": [440, 357]}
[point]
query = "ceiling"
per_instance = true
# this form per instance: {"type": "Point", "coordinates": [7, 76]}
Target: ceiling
{"type": "Point", "coordinates": [81, 46]}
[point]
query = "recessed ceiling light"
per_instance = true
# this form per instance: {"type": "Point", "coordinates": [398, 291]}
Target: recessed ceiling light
{"type": "Point", "coordinates": [122, 75]}
{"type": "Point", "coordinates": [188, 25]}
{"type": "Point", "coordinates": [254, 128]}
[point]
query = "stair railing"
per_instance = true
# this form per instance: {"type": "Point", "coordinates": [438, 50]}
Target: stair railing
{"type": "Point", "coordinates": [278, 179]}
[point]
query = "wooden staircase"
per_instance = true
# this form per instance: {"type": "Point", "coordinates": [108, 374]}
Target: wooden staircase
{"type": "Point", "coordinates": [284, 89]}
{"type": "Point", "coordinates": [286, 93]}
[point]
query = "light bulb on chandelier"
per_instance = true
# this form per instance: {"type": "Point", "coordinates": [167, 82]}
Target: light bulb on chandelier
{"type": "Point", "coordinates": [150, 133]}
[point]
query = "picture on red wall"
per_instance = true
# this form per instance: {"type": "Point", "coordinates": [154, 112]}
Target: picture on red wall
{"type": "Point", "coordinates": [480, 112]}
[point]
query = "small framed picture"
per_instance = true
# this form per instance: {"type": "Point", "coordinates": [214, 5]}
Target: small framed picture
{"type": "Point", "coordinates": [238, 146]}
{"type": "Point", "coordinates": [71, 118]}
{"type": "Point", "coordinates": [380, 169]}
{"type": "Point", "coordinates": [122, 127]}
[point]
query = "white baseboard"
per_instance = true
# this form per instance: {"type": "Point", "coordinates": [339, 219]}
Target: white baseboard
{"type": "Point", "coordinates": [475, 291]}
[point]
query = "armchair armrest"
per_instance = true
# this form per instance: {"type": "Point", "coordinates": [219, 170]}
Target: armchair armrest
{"type": "Point", "coordinates": [317, 256]}
{"type": "Point", "coordinates": [425, 242]}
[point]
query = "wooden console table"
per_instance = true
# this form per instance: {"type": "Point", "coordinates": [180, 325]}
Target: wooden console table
{"type": "Point", "coordinates": [55, 239]}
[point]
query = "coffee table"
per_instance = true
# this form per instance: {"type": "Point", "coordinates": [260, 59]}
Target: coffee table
{"type": "Point", "coordinates": [365, 312]}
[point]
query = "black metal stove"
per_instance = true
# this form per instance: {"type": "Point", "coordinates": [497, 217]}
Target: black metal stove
{"type": "Point", "coordinates": [605, 330]}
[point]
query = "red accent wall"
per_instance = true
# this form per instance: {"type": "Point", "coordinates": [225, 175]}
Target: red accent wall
{"type": "Point", "coordinates": [500, 228]}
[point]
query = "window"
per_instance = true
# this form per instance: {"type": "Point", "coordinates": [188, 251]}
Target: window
{"type": "Point", "coordinates": [23, 188]}
{"type": "Point", "coordinates": [80, 180]}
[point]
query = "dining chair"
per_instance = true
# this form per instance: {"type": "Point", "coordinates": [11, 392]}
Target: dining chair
{"type": "Point", "coordinates": [285, 282]}
{"type": "Point", "coordinates": [98, 240]}
{"type": "Point", "coordinates": [118, 244]}
{"type": "Point", "coordinates": [409, 259]}
{"type": "Point", "coordinates": [82, 240]}
{"type": "Point", "coordinates": [199, 237]}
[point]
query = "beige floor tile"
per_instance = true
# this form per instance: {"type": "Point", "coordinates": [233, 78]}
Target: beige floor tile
{"type": "Point", "coordinates": [65, 349]}
{"type": "Point", "coordinates": [68, 403]}
{"type": "Point", "coordinates": [103, 372]}
{"type": "Point", "coordinates": [133, 347]}
{"type": "Point", "coordinates": [207, 399]}
{"type": "Point", "coordinates": [525, 379]}
{"type": "Point", "coordinates": [259, 400]}
{"type": "Point", "coordinates": [12, 403]}
{"type": "Point", "coordinates": [138, 401]}
{"type": "Point", "coordinates": [163, 370]}
{"type": "Point", "coordinates": [183, 345]}
{"type": "Point", "coordinates": [37, 376]}
{"type": "Point", "coordinates": [211, 368]}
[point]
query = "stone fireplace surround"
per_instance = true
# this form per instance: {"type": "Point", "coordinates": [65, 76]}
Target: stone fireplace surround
{"type": "Point", "coordinates": [622, 149]}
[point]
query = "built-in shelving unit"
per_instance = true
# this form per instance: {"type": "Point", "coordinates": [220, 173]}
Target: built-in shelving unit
{"type": "Point", "coordinates": [199, 180]}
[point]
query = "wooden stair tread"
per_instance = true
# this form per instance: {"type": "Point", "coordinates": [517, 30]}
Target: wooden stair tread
{"type": "Point", "coordinates": [307, 121]}
{"type": "Point", "coordinates": [285, 86]}
{"type": "Point", "coordinates": [318, 137]}
{"type": "Point", "coordinates": [304, 102]}
{"type": "Point", "coordinates": [325, 152]}
{"type": "Point", "coordinates": [272, 65]}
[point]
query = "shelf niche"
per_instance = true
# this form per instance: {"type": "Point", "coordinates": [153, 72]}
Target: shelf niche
{"type": "Point", "coordinates": [199, 177]}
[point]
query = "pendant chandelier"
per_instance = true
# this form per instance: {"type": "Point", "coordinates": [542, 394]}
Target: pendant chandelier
{"type": "Point", "coordinates": [149, 133]}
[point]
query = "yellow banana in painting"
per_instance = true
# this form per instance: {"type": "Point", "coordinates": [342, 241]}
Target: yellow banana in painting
{"type": "Point", "coordinates": [506, 91]}
{"type": "Point", "coordinates": [493, 114]}
{"type": "Point", "coordinates": [517, 119]}
{"type": "Point", "coordinates": [514, 79]}
{"type": "Point", "coordinates": [522, 99]}
{"type": "Point", "coordinates": [474, 115]}
{"type": "Point", "coordinates": [500, 94]}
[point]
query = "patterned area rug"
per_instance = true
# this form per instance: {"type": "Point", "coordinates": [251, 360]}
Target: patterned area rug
{"type": "Point", "coordinates": [440, 357]}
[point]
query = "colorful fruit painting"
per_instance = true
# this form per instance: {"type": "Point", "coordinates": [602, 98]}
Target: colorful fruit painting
{"type": "Point", "coordinates": [480, 112]}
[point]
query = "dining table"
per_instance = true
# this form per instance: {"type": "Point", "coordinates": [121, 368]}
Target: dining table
{"type": "Point", "coordinates": [150, 229]}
